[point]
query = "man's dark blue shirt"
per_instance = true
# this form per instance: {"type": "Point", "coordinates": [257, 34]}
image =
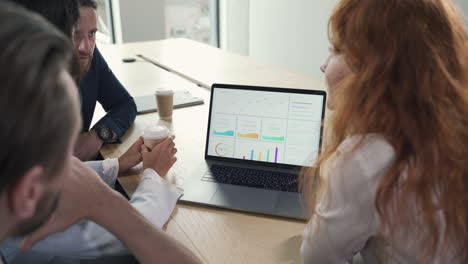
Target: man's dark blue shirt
{"type": "Point", "coordinates": [100, 85]}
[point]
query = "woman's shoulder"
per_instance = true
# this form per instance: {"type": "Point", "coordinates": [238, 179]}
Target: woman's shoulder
{"type": "Point", "coordinates": [365, 142]}
{"type": "Point", "coordinates": [370, 153]}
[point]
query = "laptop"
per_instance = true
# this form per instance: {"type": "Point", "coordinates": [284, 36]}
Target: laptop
{"type": "Point", "coordinates": [258, 139]}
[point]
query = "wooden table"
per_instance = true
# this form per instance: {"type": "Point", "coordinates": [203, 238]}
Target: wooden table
{"type": "Point", "coordinates": [215, 235]}
{"type": "Point", "coordinates": [205, 65]}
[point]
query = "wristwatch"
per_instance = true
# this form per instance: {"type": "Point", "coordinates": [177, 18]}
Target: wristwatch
{"type": "Point", "coordinates": [106, 134]}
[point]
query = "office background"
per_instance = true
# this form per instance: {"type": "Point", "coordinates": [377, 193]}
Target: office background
{"type": "Point", "coordinates": [288, 33]}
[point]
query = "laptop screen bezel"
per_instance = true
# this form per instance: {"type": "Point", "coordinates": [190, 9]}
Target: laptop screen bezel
{"type": "Point", "coordinates": [263, 89]}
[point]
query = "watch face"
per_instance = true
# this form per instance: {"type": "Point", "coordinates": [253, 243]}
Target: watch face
{"type": "Point", "coordinates": [106, 135]}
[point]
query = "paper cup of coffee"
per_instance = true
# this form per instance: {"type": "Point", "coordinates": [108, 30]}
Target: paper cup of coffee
{"type": "Point", "coordinates": [154, 135]}
{"type": "Point", "coordinates": [165, 102]}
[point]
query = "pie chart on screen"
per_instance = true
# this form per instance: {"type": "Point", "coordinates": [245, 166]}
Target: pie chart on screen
{"type": "Point", "coordinates": [221, 149]}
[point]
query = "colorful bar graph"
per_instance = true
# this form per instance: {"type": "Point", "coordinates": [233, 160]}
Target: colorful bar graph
{"type": "Point", "coordinates": [273, 138]}
{"type": "Point", "coordinates": [259, 156]}
{"type": "Point", "coordinates": [248, 135]}
{"type": "Point", "coordinates": [225, 133]}
{"type": "Point", "coordinates": [276, 155]}
{"type": "Point", "coordinates": [268, 156]}
{"type": "Point", "coordinates": [251, 154]}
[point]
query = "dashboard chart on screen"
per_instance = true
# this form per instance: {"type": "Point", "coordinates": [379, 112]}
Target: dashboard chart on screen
{"type": "Point", "coordinates": [265, 126]}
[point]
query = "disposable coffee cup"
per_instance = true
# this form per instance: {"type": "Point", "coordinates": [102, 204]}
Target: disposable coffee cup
{"type": "Point", "coordinates": [165, 102]}
{"type": "Point", "coordinates": [154, 135]}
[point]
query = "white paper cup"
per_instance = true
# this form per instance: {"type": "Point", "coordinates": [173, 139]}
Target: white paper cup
{"type": "Point", "coordinates": [154, 135]}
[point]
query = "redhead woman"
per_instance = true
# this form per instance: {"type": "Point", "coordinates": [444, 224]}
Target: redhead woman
{"type": "Point", "coordinates": [393, 183]}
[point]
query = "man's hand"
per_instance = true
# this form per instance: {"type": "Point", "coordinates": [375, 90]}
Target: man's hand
{"type": "Point", "coordinates": [88, 145]}
{"type": "Point", "coordinates": [161, 158]}
{"type": "Point", "coordinates": [83, 195]}
{"type": "Point", "coordinates": [132, 157]}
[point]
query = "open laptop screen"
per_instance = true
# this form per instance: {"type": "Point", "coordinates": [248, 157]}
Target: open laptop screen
{"type": "Point", "coordinates": [268, 125]}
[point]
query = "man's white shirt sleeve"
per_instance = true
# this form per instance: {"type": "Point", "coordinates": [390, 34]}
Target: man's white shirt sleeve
{"type": "Point", "coordinates": [155, 198]}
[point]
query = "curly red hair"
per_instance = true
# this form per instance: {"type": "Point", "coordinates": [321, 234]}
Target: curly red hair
{"type": "Point", "coordinates": [409, 82]}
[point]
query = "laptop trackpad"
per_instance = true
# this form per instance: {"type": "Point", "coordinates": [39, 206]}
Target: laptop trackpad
{"type": "Point", "coordinates": [245, 198]}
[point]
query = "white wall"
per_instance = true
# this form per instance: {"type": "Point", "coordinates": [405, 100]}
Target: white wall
{"type": "Point", "coordinates": [138, 20]}
{"type": "Point", "coordinates": [291, 33]}
{"type": "Point", "coordinates": [288, 33]}
{"type": "Point", "coordinates": [464, 6]}
{"type": "Point", "coordinates": [234, 21]}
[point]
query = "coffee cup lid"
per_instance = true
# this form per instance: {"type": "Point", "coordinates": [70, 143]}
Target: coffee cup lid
{"type": "Point", "coordinates": [164, 91]}
{"type": "Point", "coordinates": [155, 132]}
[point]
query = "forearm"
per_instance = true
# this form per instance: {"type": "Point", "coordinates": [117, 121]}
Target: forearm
{"type": "Point", "coordinates": [88, 146]}
{"type": "Point", "coordinates": [114, 98]}
{"type": "Point", "coordinates": [154, 199]}
{"type": "Point", "coordinates": [84, 240]}
{"type": "Point", "coordinates": [147, 243]}
{"type": "Point", "coordinates": [119, 116]}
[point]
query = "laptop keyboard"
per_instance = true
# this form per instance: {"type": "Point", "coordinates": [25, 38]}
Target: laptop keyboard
{"type": "Point", "coordinates": [270, 180]}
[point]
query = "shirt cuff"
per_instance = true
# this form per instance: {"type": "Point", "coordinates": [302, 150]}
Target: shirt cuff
{"type": "Point", "coordinates": [110, 170]}
{"type": "Point", "coordinates": [155, 198]}
{"type": "Point", "coordinates": [153, 175]}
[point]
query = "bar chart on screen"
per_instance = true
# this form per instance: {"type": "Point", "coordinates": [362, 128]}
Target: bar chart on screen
{"type": "Point", "coordinates": [266, 126]}
{"type": "Point", "coordinates": [259, 151]}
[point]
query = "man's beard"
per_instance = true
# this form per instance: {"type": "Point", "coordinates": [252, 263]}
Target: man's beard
{"type": "Point", "coordinates": [84, 67]}
{"type": "Point", "coordinates": [45, 207]}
